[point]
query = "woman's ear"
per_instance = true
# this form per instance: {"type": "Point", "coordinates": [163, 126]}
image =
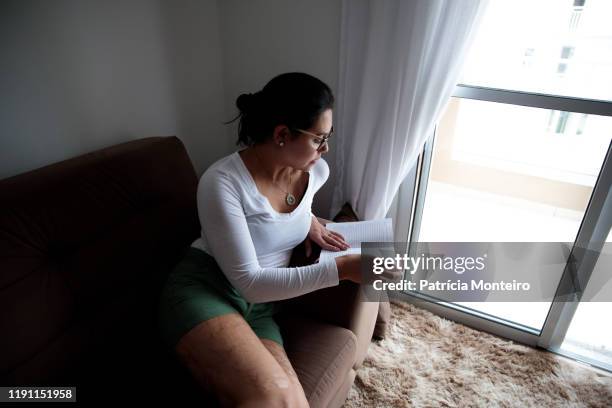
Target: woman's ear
{"type": "Point", "coordinates": [281, 135]}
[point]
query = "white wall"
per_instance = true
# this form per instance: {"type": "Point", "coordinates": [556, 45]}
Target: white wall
{"type": "Point", "coordinates": [264, 38]}
{"type": "Point", "coordinates": [77, 76]}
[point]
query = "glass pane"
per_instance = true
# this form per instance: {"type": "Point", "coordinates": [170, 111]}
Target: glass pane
{"type": "Point", "coordinates": [505, 173]}
{"type": "Point", "coordinates": [556, 47]}
{"type": "Point", "coordinates": [588, 334]}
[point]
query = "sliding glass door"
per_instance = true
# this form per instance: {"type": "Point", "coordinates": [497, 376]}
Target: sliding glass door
{"type": "Point", "coordinates": [586, 337]}
{"type": "Point", "coordinates": [522, 154]}
{"type": "Point", "coordinates": [521, 182]}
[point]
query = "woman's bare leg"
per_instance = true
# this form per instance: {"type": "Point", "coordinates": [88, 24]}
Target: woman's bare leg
{"type": "Point", "coordinates": [281, 357]}
{"type": "Point", "coordinates": [226, 356]}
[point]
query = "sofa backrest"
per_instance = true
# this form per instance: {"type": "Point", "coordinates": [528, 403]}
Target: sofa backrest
{"type": "Point", "coordinates": [85, 245]}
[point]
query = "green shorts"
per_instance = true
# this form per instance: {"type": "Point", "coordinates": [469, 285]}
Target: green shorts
{"type": "Point", "coordinates": [197, 290]}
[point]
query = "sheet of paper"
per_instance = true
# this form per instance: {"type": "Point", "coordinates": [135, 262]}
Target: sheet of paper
{"type": "Point", "coordinates": [331, 254]}
{"type": "Point", "coordinates": [360, 231]}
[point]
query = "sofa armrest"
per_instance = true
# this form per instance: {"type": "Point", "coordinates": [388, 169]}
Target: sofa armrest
{"type": "Point", "coordinates": [347, 214]}
{"type": "Point", "coordinates": [343, 305]}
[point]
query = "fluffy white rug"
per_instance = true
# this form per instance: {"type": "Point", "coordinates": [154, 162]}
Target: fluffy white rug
{"type": "Point", "coordinates": [428, 361]}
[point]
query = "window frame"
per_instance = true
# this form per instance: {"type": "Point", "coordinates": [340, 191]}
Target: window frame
{"type": "Point", "coordinates": [592, 233]}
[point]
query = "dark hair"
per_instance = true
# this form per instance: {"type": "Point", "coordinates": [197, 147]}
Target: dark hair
{"type": "Point", "coordinates": [294, 99]}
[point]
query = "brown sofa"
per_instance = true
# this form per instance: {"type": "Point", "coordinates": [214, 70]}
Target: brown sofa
{"type": "Point", "coordinates": [85, 247]}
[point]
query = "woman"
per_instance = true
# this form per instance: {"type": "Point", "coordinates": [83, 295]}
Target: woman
{"type": "Point", "coordinates": [255, 207]}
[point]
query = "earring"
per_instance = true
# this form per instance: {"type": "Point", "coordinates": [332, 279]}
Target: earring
{"type": "Point", "coordinates": [281, 144]}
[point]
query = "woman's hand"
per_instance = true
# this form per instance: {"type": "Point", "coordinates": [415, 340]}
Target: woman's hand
{"type": "Point", "coordinates": [349, 267]}
{"type": "Point", "coordinates": [326, 239]}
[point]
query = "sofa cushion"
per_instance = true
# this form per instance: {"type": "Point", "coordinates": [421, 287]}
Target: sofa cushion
{"type": "Point", "coordinates": [85, 245]}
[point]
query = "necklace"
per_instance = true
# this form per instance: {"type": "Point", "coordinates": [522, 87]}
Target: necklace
{"type": "Point", "coordinates": [289, 198]}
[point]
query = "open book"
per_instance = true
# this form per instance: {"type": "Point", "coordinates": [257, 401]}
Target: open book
{"type": "Point", "coordinates": [355, 233]}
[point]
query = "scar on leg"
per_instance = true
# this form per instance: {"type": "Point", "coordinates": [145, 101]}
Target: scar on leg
{"type": "Point", "coordinates": [281, 381]}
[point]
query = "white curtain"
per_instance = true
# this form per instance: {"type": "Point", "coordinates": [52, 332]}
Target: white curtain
{"type": "Point", "coordinates": [399, 63]}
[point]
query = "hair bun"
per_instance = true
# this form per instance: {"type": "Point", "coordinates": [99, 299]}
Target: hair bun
{"type": "Point", "coordinates": [245, 102]}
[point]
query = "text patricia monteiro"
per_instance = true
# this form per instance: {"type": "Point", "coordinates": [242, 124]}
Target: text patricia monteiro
{"type": "Point", "coordinates": [450, 285]}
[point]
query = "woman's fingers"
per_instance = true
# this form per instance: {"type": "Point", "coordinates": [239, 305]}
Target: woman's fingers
{"type": "Point", "coordinates": [339, 237]}
{"type": "Point", "coordinates": [330, 247]}
{"type": "Point", "coordinates": [332, 240]}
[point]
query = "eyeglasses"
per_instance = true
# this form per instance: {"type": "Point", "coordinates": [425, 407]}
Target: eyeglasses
{"type": "Point", "coordinates": [320, 141]}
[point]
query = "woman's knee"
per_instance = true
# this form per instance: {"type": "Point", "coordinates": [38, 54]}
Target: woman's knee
{"type": "Point", "coordinates": [236, 366]}
{"type": "Point", "coordinates": [283, 393]}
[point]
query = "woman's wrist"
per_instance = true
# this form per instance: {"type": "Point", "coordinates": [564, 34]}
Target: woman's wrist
{"type": "Point", "coordinates": [349, 267]}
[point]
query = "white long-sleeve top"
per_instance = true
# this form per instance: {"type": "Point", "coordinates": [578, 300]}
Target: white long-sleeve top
{"type": "Point", "coordinates": [250, 240]}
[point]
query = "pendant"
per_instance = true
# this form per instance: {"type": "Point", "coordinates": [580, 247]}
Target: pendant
{"type": "Point", "coordinates": [290, 199]}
